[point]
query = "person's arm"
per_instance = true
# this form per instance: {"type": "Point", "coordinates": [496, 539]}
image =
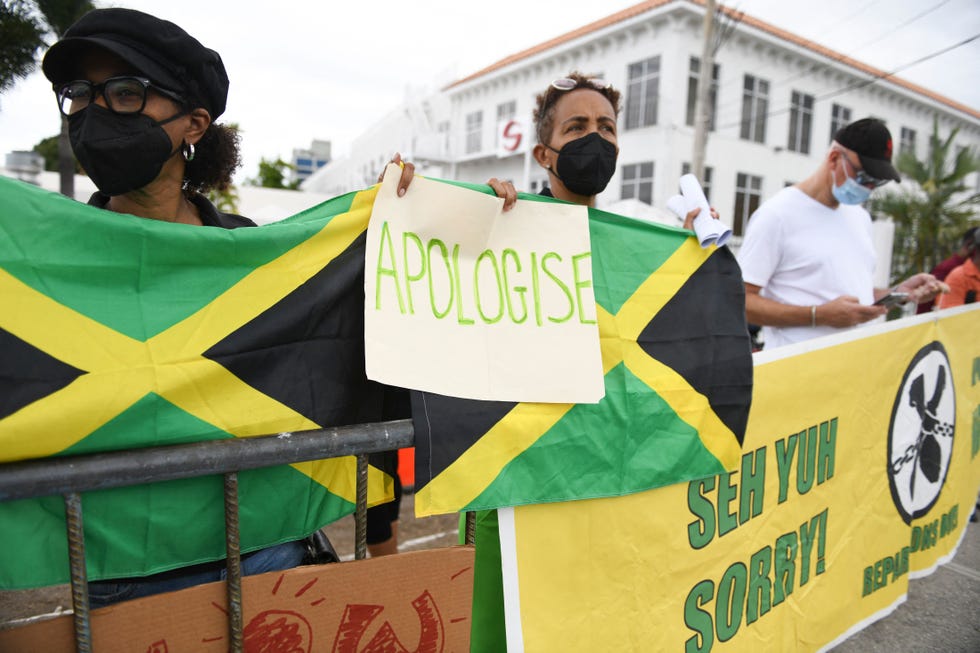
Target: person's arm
{"type": "Point", "coordinates": [956, 296]}
{"type": "Point", "coordinates": [503, 189]}
{"type": "Point", "coordinates": [408, 173]}
{"type": "Point", "coordinates": [922, 287]}
{"type": "Point", "coordinates": [506, 190]}
{"type": "Point", "coordinates": [845, 311]}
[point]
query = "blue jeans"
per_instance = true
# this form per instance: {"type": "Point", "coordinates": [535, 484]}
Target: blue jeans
{"type": "Point", "coordinates": [275, 558]}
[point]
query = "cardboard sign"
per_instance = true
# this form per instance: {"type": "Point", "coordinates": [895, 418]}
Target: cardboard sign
{"type": "Point", "coordinates": [466, 300]}
{"type": "Point", "coordinates": [419, 601]}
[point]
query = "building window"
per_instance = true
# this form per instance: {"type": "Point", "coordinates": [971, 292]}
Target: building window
{"type": "Point", "coordinates": [474, 132]}
{"type": "Point", "coordinates": [840, 117]}
{"type": "Point", "coordinates": [638, 182]}
{"type": "Point", "coordinates": [694, 73]}
{"type": "Point", "coordinates": [505, 112]}
{"type": "Point", "coordinates": [800, 121]}
{"type": "Point", "coordinates": [705, 183]}
{"type": "Point", "coordinates": [642, 90]}
{"type": "Point", "coordinates": [755, 105]}
{"type": "Point", "coordinates": [907, 143]}
{"type": "Point", "coordinates": [748, 195]}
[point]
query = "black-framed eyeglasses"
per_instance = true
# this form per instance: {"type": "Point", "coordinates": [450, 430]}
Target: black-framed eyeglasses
{"type": "Point", "coordinates": [863, 178]}
{"type": "Point", "coordinates": [125, 94]}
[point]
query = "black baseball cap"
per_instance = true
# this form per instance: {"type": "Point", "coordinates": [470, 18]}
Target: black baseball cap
{"type": "Point", "coordinates": [157, 48]}
{"type": "Point", "coordinates": [872, 142]}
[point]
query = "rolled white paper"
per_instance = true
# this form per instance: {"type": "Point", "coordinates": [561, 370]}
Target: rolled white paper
{"type": "Point", "coordinates": [678, 206]}
{"type": "Point", "coordinates": [709, 231]}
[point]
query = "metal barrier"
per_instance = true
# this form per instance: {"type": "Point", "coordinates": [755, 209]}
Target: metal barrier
{"type": "Point", "coordinates": [69, 476]}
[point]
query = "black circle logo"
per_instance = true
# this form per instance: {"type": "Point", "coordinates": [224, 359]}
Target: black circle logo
{"type": "Point", "coordinates": [920, 442]}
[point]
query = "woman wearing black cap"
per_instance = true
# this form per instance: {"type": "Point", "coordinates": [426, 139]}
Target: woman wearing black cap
{"type": "Point", "coordinates": [141, 96]}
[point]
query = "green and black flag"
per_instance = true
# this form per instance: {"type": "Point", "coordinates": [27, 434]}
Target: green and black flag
{"type": "Point", "coordinates": [118, 333]}
{"type": "Point", "coordinates": [678, 379]}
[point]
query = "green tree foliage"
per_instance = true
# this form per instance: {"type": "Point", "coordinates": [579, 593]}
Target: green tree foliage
{"type": "Point", "coordinates": [48, 148]}
{"type": "Point", "coordinates": [60, 14]}
{"type": "Point", "coordinates": [272, 174]}
{"type": "Point", "coordinates": [932, 207]}
{"type": "Point", "coordinates": [225, 200]}
{"type": "Point", "coordinates": [23, 35]}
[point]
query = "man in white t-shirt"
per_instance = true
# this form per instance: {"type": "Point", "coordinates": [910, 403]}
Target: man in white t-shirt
{"type": "Point", "coordinates": [808, 259]}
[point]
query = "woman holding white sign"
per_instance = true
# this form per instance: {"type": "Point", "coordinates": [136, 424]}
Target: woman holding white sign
{"type": "Point", "coordinates": [575, 121]}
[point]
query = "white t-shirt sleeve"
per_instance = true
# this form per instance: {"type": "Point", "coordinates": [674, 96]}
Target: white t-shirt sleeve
{"type": "Point", "coordinates": [761, 247]}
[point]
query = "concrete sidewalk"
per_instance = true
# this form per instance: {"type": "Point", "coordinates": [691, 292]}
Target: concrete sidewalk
{"type": "Point", "coordinates": [941, 613]}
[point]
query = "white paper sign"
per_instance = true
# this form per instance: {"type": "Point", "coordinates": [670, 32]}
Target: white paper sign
{"type": "Point", "coordinates": [466, 300]}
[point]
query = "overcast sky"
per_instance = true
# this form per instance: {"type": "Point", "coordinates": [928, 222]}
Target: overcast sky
{"type": "Point", "coordinates": [302, 69]}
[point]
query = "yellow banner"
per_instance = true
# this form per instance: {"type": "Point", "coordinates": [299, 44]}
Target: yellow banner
{"type": "Point", "coordinates": [859, 469]}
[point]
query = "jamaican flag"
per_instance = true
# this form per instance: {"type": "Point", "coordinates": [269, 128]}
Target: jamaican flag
{"type": "Point", "coordinates": [678, 380]}
{"type": "Point", "coordinates": [118, 333]}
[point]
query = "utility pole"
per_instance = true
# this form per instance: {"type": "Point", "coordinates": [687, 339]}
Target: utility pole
{"type": "Point", "coordinates": [705, 78]}
{"type": "Point", "coordinates": [66, 161]}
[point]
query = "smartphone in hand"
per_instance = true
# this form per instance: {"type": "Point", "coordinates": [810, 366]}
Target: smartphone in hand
{"type": "Point", "coordinates": [893, 299]}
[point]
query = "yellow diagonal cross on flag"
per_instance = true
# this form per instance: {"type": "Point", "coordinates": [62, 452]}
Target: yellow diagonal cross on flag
{"type": "Point", "coordinates": [120, 370]}
{"type": "Point", "coordinates": [120, 333]}
{"type": "Point", "coordinates": [465, 478]}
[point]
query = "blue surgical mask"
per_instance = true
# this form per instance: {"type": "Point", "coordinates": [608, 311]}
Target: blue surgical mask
{"type": "Point", "coordinates": [850, 192]}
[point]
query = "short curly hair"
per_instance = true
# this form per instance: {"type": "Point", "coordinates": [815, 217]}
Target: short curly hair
{"type": "Point", "coordinates": [544, 111]}
{"type": "Point", "coordinates": [216, 158]}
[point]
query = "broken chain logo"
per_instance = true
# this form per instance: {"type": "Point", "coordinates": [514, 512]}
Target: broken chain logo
{"type": "Point", "coordinates": [920, 436]}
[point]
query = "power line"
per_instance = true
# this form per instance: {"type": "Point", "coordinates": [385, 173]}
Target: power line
{"type": "Point", "coordinates": [840, 22]}
{"type": "Point", "coordinates": [899, 69]}
{"type": "Point", "coordinates": [868, 82]}
{"type": "Point", "coordinates": [911, 20]}
{"type": "Point", "coordinates": [840, 57]}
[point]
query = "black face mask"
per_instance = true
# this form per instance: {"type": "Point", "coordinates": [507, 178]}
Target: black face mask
{"type": "Point", "coordinates": [120, 153]}
{"type": "Point", "coordinates": [586, 164]}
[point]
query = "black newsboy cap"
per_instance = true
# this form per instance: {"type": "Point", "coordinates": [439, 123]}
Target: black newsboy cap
{"type": "Point", "coordinates": [159, 49]}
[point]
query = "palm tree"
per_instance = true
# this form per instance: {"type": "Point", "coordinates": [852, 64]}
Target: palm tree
{"type": "Point", "coordinates": [58, 16]}
{"type": "Point", "coordinates": [21, 39]}
{"type": "Point", "coordinates": [931, 213]}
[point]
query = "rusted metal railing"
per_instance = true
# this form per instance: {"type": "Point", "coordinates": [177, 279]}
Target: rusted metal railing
{"type": "Point", "coordinates": [69, 476]}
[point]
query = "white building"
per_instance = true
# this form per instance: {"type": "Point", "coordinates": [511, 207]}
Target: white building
{"type": "Point", "coordinates": [308, 160]}
{"type": "Point", "coordinates": [778, 99]}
